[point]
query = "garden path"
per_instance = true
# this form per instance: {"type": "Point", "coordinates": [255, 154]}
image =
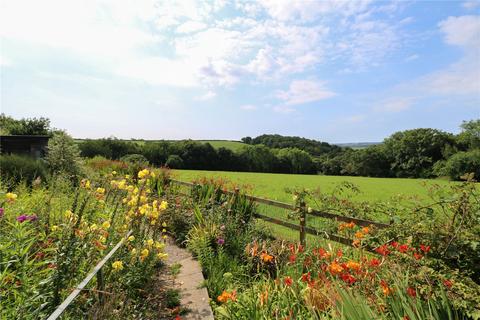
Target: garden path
{"type": "Point", "coordinates": [189, 280]}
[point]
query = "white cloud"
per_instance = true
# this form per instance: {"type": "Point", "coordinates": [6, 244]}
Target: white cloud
{"type": "Point", "coordinates": [191, 26]}
{"type": "Point", "coordinates": [412, 57]}
{"type": "Point", "coordinates": [355, 118]}
{"type": "Point", "coordinates": [305, 91]}
{"type": "Point", "coordinates": [462, 31]}
{"type": "Point", "coordinates": [248, 107]}
{"type": "Point", "coordinates": [395, 105]}
{"type": "Point", "coordinates": [207, 96]}
{"type": "Point", "coordinates": [469, 5]}
{"type": "Point", "coordinates": [283, 109]}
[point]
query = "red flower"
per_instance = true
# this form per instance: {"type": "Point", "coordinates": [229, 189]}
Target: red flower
{"type": "Point", "coordinates": [292, 248]}
{"type": "Point", "coordinates": [417, 256]}
{"type": "Point", "coordinates": [292, 258]}
{"type": "Point", "coordinates": [307, 262]}
{"type": "Point", "coordinates": [448, 283]}
{"type": "Point", "coordinates": [306, 277]}
{"type": "Point", "coordinates": [339, 253]}
{"type": "Point", "coordinates": [394, 244]}
{"type": "Point", "coordinates": [322, 253]}
{"type": "Point", "coordinates": [288, 281]}
{"type": "Point", "coordinates": [425, 248]}
{"type": "Point", "coordinates": [403, 248]}
{"type": "Point", "coordinates": [383, 250]}
{"type": "Point", "coordinates": [348, 278]}
{"type": "Point", "coordinates": [374, 262]}
{"type": "Point", "coordinates": [411, 292]}
{"type": "Point", "coordinates": [300, 248]}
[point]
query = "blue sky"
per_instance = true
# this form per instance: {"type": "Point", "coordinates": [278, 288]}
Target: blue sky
{"type": "Point", "coordinates": [336, 71]}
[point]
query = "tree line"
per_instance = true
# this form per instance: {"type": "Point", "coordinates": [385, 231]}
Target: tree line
{"type": "Point", "coordinates": [417, 153]}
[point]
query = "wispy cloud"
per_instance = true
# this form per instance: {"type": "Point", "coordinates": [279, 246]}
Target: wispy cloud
{"type": "Point", "coordinates": [207, 96]}
{"type": "Point", "coordinates": [248, 107]}
{"type": "Point", "coordinates": [305, 91]}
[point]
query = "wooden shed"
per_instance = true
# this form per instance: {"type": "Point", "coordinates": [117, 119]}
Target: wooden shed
{"type": "Point", "coordinates": [35, 146]}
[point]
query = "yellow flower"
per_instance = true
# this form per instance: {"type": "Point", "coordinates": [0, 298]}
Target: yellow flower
{"type": "Point", "coordinates": [11, 197]}
{"type": "Point", "coordinates": [102, 239]}
{"type": "Point", "coordinates": [133, 252]}
{"type": "Point", "coordinates": [100, 190]}
{"type": "Point", "coordinates": [106, 225]}
{"type": "Point", "coordinates": [117, 265]}
{"type": "Point", "coordinates": [164, 224]}
{"type": "Point", "coordinates": [54, 228]}
{"type": "Point", "coordinates": [159, 245]}
{"type": "Point", "coordinates": [149, 242]}
{"type": "Point", "coordinates": [163, 205]}
{"type": "Point", "coordinates": [162, 255]}
{"type": "Point", "coordinates": [68, 214]}
{"type": "Point", "coordinates": [131, 238]}
{"type": "Point", "coordinates": [164, 230]}
{"type": "Point", "coordinates": [164, 237]}
{"type": "Point", "coordinates": [144, 253]}
{"type": "Point", "coordinates": [114, 173]}
{"type": "Point", "coordinates": [93, 227]}
{"type": "Point", "coordinates": [142, 174]}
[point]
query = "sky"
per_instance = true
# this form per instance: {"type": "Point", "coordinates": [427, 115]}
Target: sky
{"type": "Point", "coordinates": [335, 71]}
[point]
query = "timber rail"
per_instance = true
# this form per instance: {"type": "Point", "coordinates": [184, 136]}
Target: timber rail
{"type": "Point", "coordinates": [302, 228]}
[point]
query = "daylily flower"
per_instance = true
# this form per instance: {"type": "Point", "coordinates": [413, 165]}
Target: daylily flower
{"type": "Point", "coordinates": [288, 281]}
{"type": "Point", "coordinates": [11, 197]}
{"type": "Point", "coordinates": [117, 265]}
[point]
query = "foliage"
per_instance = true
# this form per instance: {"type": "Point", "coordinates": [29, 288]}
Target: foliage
{"type": "Point", "coordinates": [315, 148]}
{"type": "Point", "coordinates": [17, 168]}
{"type": "Point", "coordinates": [413, 152]}
{"type": "Point", "coordinates": [50, 237]}
{"type": "Point", "coordinates": [63, 155]}
{"type": "Point", "coordinates": [469, 138]}
{"type": "Point", "coordinates": [462, 162]}
{"type": "Point", "coordinates": [174, 162]}
{"type": "Point", "coordinates": [24, 126]}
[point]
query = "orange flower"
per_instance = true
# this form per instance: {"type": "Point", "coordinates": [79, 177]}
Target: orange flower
{"type": "Point", "coordinates": [386, 290]}
{"type": "Point", "coordinates": [225, 296]}
{"type": "Point", "coordinates": [359, 235]}
{"type": "Point", "coordinates": [365, 230]}
{"type": "Point", "coordinates": [352, 265]}
{"type": "Point", "coordinates": [356, 243]}
{"type": "Point", "coordinates": [264, 297]}
{"type": "Point", "coordinates": [335, 268]}
{"type": "Point", "coordinates": [266, 257]}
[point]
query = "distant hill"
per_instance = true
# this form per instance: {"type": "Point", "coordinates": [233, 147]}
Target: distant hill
{"type": "Point", "coordinates": [357, 145]}
{"type": "Point", "coordinates": [314, 147]}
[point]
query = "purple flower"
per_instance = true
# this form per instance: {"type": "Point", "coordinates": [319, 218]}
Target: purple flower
{"type": "Point", "coordinates": [220, 241]}
{"type": "Point", "coordinates": [22, 218]}
{"type": "Point", "coordinates": [2, 211]}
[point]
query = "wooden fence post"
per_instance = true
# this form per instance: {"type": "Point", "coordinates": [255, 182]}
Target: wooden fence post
{"type": "Point", "coordinates": [303, 223]}
{"type": "Point", "coordinates": [100, 287]}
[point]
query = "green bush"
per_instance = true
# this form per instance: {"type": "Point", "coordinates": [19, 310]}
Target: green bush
{"type": "Point", "coordinates": [174, 162]}
{"type": "Point", "coordinates": [63, 155]}
{"type": "Point", "coordinates": [463, 162]}
{"type": "Point", "coordinates": [136, 162]}
{"type": "Point", "coordinates": [15, 168]}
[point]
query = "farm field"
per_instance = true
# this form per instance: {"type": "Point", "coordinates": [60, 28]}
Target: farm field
{"type": "Point", "coordinates": [272, 186]}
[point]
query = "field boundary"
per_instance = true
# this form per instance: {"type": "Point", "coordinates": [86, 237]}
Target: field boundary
{"type": "Point", "coordinates": [302, 227]}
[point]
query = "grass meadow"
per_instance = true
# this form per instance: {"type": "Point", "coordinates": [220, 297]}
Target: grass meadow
{"type": "Point", "coordinates": [272, 186]}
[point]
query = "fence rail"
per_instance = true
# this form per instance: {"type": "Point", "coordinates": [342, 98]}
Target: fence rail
{"type": "Point", "coordinates": [96, 271]}
{"type": "Point", "coordinates": [302, 228]}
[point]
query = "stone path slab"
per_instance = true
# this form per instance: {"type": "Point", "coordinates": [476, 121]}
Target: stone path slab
{"type": "Point", "coordinates": [189, 281]}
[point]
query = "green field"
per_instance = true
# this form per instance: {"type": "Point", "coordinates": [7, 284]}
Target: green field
{"type": "Point", "coordinates": [272, 186]}
{"type": "Point", "coordinates": [228, 144]}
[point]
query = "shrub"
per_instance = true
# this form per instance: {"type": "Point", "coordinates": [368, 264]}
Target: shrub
{"type": "Point", "coordinates": [15, 168]}
{"type": "Point", "coordinates": [462, 163]}
{"type": "Point", "coordinates": [63, 155]}
{"type": "Point", "coordinates": [174, 162]}
{"type": "Point", "coordinates": [136, 162]}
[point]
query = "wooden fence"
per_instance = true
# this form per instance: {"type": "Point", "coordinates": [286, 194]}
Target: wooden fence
{"type": "Point", "coordinates": [97, 270]}
{"type": "Point", "coordinates": [302, 228]}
